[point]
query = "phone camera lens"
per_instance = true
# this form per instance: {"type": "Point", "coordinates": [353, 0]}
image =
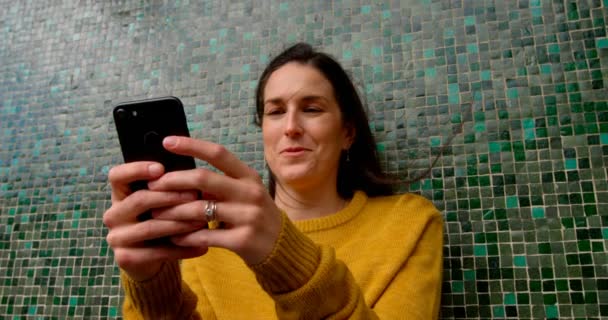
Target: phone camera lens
{"type": "Point", "coordinates": [121, 114]}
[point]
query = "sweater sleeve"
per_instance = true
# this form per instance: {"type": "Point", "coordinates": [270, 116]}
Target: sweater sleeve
{"type": "Point", "coordinates": [165, 296]}
{"type": "Point", "coordinates": [307, 281]}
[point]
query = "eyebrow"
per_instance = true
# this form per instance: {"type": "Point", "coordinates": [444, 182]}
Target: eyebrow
{"type": "Point", "coordinates": [279, 100]}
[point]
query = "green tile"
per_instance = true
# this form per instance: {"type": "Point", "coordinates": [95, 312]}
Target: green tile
{"type": "Point", "coordinates": [512, 202]}
{"type": "Point", "coordinates": [480, 250]}
{"type": "Point", "coordinates": [458, 286]}
{"type": "Point", "coordinates": [469, 20]}
{"type": "Point", "coordinates": [538, 212]}
{"type": "Point", "coordinates": [498, 311]}
{"type": "Point", "coordinates": [552, 312]}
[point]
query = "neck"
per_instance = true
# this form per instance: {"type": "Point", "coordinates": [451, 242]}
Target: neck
{"type": "Point", "coordinates": [310, 203]}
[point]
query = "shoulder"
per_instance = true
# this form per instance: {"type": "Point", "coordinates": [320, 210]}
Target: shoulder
{"type": "Point", "coordinates": [407, 203]}
{"type": "Point", "coordinates": [407, 209]}
{"type": "Point", "coordinates": [404, 219]}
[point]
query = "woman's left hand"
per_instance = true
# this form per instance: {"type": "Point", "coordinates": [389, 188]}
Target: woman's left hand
{"type": "Point", "coordinates": [252, 221]}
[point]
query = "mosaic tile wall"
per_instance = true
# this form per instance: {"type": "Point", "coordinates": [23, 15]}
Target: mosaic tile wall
{"type": "Point", "coordinates": [511, 93]}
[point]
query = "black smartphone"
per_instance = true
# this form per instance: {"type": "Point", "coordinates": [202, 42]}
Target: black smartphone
{"type": "Point", "coordinates": [142, 125]}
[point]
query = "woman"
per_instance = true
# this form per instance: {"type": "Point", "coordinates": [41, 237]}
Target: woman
{"type": "Point", "coordinates": [328, 240]}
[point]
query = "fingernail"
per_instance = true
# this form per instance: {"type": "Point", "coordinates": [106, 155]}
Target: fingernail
{"type": "Point", "coordinates": [170, 142]}
{"type": "Point", "coordinates": [155, 169]}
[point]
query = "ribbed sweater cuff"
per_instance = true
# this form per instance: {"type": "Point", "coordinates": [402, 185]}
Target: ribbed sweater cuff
{"type": "Point", "coordinates": [156, 295]}
{"type": "Point", "coordinates": [292, 262]}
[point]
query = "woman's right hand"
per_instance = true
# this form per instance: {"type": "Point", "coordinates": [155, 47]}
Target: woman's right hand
{"type": "Point", "coordinates": [127, 234]}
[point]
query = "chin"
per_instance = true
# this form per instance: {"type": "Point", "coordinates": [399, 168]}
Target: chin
{"type": "Point", "coordinates": [294, 175]}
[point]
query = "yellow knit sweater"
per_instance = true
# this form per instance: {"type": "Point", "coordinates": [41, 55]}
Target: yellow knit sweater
{"type": "Point", "coordinates": [377, 258]}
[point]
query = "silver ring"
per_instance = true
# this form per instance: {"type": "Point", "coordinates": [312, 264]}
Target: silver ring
{"type": "Point", "coordinates": [210, 215]}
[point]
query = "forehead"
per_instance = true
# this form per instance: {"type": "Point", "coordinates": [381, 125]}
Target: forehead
{"type": "Point", "coordinates": [297, 79]}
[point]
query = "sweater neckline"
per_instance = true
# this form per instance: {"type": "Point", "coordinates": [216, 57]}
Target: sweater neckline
{"type": "Point", "coordinates": [327, 222]}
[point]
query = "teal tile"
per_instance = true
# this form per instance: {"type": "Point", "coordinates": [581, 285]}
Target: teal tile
{"type": "Point", "coordinates": [472, 48]}
{"type": "Point", "coordinates": [570, 164]}
{"type": "Point", "coordinates": [552, 312]}
{"type": "Point", "coordinates": [486, 75]}
{"type": "Point", "coordinates": [480, 250]}
{"type": "Point", "coordinates": [512, 93]}
{"type": "Point", "coordinates": [469, 20]}
{"type": "Point", "coordinates": [498, 311]}
{"type": "Point", "coordinates": [512, 202]}
{"type": "Point", "coordinates": [538, 212]}
{"type": "Point", "coordinates": [519, 261]}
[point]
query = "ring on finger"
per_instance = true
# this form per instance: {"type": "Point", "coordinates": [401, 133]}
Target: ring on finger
{"type": "Point", "coordinates": [210, 214]}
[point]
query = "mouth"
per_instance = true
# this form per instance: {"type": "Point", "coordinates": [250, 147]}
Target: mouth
{"type": "Point", "coordinates": [293, 150]}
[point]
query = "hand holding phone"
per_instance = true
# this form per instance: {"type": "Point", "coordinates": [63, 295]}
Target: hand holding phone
{"type": "Point", "coordinates": [142, 126]}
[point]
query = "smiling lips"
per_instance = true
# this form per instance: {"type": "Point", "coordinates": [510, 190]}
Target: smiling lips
{"type": "Point", "coordinates": [293, 151]}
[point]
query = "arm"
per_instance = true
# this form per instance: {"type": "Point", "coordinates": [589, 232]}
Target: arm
{"type": "Point", "coordinates": [164, 296]}
{"type": "Point", "coordinates": [298, 274]}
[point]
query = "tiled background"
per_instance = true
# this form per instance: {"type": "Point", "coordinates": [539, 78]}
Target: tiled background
{"type": "Point", "coordinates": [520, 86]}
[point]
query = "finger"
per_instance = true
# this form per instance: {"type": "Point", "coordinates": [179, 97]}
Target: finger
{"type": "Point", "coordinates": [215, 154]}
{"type": "Point", "coordinates": [227, 212]}
{"type": "Point", "coordinates": [207, 181]}
{"type": "Point", "coordinates": [126, 257]}
{"type": "Point", "coordinates": [149, 230]}
{"type": "Point", "coordinates": [122, 175]}
{"type": "Point", "coordinates": [230, 239]}
{"type": "Point", "coordinates": [141, 201]}
{"type": "Point", "coordinates": [190, 211]}
{"type": "Point", "coordinates": [200, 237]}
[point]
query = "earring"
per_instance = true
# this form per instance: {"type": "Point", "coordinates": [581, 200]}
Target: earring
{"type": "Point", "coordinates": [348, 155]}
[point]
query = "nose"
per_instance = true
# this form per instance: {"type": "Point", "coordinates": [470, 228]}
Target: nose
{"type": "Point", "coordinates": [293, 126]}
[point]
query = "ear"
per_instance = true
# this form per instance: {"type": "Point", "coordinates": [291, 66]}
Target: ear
{"type": "Point", "coordinates": [349, 136]}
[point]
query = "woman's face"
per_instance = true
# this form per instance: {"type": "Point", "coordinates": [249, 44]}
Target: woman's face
{"type": "Point", "coordinates": [302, 127]}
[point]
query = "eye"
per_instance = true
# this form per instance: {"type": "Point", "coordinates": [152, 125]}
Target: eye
{"type": "Point", "coordinates": [273, 111]}
{"type": "Point", "coordinates": [312, 108]}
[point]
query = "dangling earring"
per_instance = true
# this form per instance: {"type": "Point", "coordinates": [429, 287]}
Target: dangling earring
{"type": "Point", "coordinates": [348, 155]}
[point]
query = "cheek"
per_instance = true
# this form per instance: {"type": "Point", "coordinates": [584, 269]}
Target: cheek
{"type": "Point", "coordinates": [331, 135]}
{"type": "Point", "coordinates": [267, 135]}
{"type": "Point", "coordinates": [269, 138]}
